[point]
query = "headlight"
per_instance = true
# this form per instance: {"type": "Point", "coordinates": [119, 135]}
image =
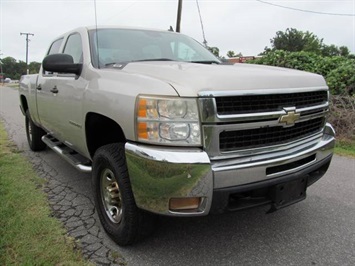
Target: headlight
{"type": "Point", "coordinates": [168, 121]}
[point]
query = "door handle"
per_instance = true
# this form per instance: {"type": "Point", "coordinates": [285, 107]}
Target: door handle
{"type": "Point", "coordinates": [39, 87]}
{"type": "Point", "coordinates": [54, 90]}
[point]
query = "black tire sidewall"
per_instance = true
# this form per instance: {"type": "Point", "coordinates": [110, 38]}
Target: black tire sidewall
{"type": "Point", "coordinates": [35, 143]}
{"type": "Point", "coordinates": [111, 157]}
{"type": "Point", "coordinates": [28, 125]}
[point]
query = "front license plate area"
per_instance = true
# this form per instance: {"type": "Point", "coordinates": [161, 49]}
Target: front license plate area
{"type": "Point", "coordinates": [285, 194]}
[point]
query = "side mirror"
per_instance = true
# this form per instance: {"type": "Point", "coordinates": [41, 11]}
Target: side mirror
{"type": "Point", "coordinates": [61, 63]}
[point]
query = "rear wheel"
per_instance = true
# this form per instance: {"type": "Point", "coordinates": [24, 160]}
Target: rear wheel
{"type": "Point", "coordinates": [114, 199]}
{"type": "Point", "coordinates": [34, 134]}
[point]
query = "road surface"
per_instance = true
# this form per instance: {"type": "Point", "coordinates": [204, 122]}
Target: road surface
{"type": "Point", "coordinates": [317, 231]}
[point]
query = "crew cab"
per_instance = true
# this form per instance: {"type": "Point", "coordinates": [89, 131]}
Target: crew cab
{"type": "Point", "coordinates": [166, 128]}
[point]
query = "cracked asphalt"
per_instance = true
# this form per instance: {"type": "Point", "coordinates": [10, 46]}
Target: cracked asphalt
{"type": "Point", "coordinates": [317, 231]}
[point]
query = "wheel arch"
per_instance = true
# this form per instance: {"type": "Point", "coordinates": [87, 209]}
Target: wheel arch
{"type": "Point", "coordinates": [101, 130]}
{"type": "Point", "coordinates": [23, 104]}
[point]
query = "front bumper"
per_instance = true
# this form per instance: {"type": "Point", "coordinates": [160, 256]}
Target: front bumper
{"type": "Point", "coordinates": [158, 174]}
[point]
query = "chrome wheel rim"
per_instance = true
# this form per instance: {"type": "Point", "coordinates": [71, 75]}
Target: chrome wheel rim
{"type": "Point", "coordinates": [111, 196]}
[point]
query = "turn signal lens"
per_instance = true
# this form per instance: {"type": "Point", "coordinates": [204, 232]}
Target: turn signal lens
{"type": "Point", "coordinates": [178, 204]}
{"type": "Point", "coordinates": [142, 108]}
{"type": "Point", "coordinates": [142, 130]}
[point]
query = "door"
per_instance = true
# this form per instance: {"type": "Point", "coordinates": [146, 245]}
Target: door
{"type": "Point", "coordinates": [62, 94]}
{"type": "Point", "coordinates": [45, 98]}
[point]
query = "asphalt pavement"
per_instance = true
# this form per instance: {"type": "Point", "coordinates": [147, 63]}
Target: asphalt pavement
{"type": "Point", "coordinates": [317, 231]}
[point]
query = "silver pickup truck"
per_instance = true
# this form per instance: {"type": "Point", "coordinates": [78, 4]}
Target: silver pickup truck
{"type": "Point", "coordinates": [166, 128]}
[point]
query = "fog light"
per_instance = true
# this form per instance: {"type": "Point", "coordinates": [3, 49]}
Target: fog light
{"type": "Point", "coordinates": [178, 204]}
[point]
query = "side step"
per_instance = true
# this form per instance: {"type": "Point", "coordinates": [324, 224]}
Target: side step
{"type": "Point", "coordinates": [75, 159]}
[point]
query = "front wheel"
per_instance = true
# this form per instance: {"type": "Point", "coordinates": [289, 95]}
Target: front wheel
{"type": "Point", "coordinates": [34, 134]}
{"type": "Point", "coordinates": [114, 199]}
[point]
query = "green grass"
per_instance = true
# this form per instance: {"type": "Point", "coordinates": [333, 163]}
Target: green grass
{"type": "Point", "coordinates": [11, 85]}
{"type": "Point", "coordinates": [345, 148]}
{"type": "Point", "coordinates": [28, 233]}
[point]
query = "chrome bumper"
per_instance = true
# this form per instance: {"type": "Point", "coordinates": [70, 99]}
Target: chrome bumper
{"type": "Point", "coordinates": [240, 171]}
{"type": "Point", "coordinates": [159, 174]}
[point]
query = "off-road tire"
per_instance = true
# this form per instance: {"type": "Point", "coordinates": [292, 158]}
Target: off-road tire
{"type": "Point", "coordinates": [133, 222]}
{"type": "Point", "coordinates": [34, 134]}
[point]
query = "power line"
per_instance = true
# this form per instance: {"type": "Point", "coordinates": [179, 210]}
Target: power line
{"type": "Point", "coordinates": [308, 11]}
{"type": "Point", "coordinates": [121, 11]}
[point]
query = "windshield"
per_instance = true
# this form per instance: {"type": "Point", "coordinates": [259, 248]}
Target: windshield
{"type": "Point", "coordinates": [130, 45]}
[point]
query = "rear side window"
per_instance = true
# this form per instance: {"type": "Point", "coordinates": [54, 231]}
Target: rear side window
{"type": "Point", "coordinates": [55, 47]}
{"type": "Point", "coordinates": [74, 48]}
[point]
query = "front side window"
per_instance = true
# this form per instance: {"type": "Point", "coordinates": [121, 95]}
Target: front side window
{"type": "Point", "coordinates": [74, 48]}
{"type": "Point", "coordinates": [55, 47]}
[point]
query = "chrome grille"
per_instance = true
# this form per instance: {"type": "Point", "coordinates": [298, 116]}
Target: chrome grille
{"type": "Point", "coordinates": [244, 104]}
{"type": "Point", "coordinates": [268, 136]}
{"type": "Point", "coordinates": [238, 124]}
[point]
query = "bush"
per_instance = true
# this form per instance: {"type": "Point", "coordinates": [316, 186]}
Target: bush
{"type": "Point", "coordinates": [338, 71]}
{"type": "Point", "coordinates": [297, 60]}
{"type": "Point", "coordinates": [342, 116]}
{"type": "Point", "coordinates": [341, 80]}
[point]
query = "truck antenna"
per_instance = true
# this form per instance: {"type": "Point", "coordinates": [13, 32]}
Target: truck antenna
{"type": "Point", "coordinates": [97, 38]}
{"type": "Point", "coordinates": [203, 31]}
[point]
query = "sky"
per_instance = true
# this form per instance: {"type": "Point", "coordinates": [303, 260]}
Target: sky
{"type": "Point", "coordinates": [244, 26]}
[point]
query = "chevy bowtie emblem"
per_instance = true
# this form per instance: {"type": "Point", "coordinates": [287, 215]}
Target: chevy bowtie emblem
{"type": "Point", "coordinates": [290, 118]}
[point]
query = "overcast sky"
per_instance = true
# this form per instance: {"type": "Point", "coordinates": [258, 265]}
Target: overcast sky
{"type": "Point", "coordinates": [244, 26]}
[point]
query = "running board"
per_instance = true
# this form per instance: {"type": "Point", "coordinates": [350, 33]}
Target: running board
{"type": "Point", "coordinates": [75, 159]}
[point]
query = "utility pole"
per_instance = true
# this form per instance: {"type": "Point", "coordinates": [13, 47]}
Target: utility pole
{"type": "Point", "coordinates": [1, 74]}
{"type": "Point", "coordinates": [178, 20]}
{"type": "Point", "coordinates": [27, 40]}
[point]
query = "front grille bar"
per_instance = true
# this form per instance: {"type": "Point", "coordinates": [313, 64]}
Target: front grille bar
{"type": "Point", "coordinates": [236, 123]}
{"type": "Point", "coordinates": [245, 104]}
{"type": "Point", "coordinates": [268, 136]}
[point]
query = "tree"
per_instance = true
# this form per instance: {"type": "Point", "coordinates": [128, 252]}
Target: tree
{"type": "Point", "coordinates": [8, 66]}
{"type": "Point", "coordinates": [13, 69]}
{"type": "Point", "coordinates": [344, 51]}
{"type": "Point", "coordinates": [231, 54]}
{"type": "Point", "coordinates": [294, 40]}
{"type": "Point", "coordinates": [214, 50]}
{"type": "Point", "coordinates": [21, 69]}
{"type": "Point", "coordinates": [34, 67]}
{"type": "Point", "coordinates": [332, 50]}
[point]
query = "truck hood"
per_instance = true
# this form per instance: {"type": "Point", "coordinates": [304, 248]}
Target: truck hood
{"type": "Point", "coordinates": [191, 80]}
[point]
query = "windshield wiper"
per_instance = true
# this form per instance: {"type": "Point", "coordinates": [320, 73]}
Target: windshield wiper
{"type": "Point", "coordinates": [206, 62]}
{"type": "Point", "coordinates": [124, 63]}
{"type": "Point", "coordinates": [153, 59]}
{"type": "Point", "coordinates": [116, 64]}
